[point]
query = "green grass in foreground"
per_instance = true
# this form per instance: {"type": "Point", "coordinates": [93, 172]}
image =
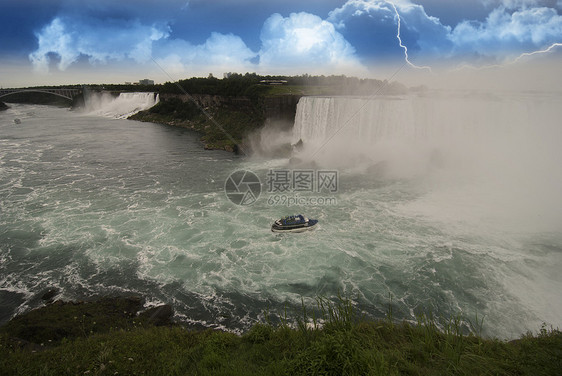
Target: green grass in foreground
{"type": "Point", "coordinates": [342, 345]}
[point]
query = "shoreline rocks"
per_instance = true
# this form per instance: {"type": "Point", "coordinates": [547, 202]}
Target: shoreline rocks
{"type": "Point", "coordinates": [57, 320]}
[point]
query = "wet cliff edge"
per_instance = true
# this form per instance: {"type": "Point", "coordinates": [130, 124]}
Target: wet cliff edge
{"type": "Point", "coordinates": [223, 122]}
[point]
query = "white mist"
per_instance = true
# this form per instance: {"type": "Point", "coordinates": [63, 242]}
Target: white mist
{"type": "Point", "coordinates": [120, 107]}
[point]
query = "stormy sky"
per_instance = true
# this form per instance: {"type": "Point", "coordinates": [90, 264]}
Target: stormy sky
{"type": "Point", "coordinates": [66, 41]}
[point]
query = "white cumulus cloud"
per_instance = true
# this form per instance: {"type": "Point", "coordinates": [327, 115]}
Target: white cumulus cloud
{"type": "Point", "coordinates": [358, 33]}
{"type": "Point", "coordinates": [99, 41]}
{"type": "Point", "coordinates": [506, 33]}
{"type": "Point", "coordinates": [54, 39]}
{"type": "Point", "coordinates": [378, 10]}
{"type": "Point", "coordinates": [218, 52]}
{"type": "Point", "coordinates": [305, 40]}
{"type": "Point", "coordinates": [520, 4]}
{"type": "Point", "coordinates": [301, 41]}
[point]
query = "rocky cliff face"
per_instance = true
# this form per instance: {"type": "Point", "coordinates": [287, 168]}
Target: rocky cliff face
{"type": "Point", "coordinates": [239, 118]}
{"type": "Point", "coordinates": [210, 101]}
{"type": "Point", "coordinates": [280, 107]}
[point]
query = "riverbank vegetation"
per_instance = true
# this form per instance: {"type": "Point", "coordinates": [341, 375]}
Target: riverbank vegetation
{"type": "Point", "coordinates": [246, 102]}
{"type": "Point", "coordinates": [330, 339]}
{"type": "Point", "coordinates": [249, 85]}
{"type": "Point", "coordinates": [239, 107]}
{"type": "Point", "coordinates": [252, 85]}
{"type": "Point", "coordinates": [222, 125]}
{"type": "Point", "coordinates": [240, 104]}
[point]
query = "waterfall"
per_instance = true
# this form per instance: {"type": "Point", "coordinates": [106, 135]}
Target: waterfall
{"type": "Point", "coordinates": [120, 107]}
{"type": "Point", "coordinates": [498, 153]}
{"type": "Point", "coordinates": [413, 118]}
{"type": "Point", "coordinates": [422, 126]}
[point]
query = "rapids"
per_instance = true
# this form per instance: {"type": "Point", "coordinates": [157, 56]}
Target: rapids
{"type": "Point", "coordinates": [450, 204]}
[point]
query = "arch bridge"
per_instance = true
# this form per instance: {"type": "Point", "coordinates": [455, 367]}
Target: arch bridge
{"type": "Point", "coordinates": [67, 93]}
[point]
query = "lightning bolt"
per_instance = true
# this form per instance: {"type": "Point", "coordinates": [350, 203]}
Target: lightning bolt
{"type": "Point", "coordinates": [400, 41]}
{"type": "Point", "coordinates": [514, 61]}
{"type": "Point", "coordinates": [546, 50]}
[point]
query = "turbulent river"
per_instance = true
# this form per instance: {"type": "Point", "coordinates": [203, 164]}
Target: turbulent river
{"type": "Point", "coordinates": [449, 205]}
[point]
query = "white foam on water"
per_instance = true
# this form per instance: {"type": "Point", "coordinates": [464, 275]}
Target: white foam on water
{"type": "Point", "coordinates": [106, 218]}
{"type": "Point", "coordinates": [480, 175]}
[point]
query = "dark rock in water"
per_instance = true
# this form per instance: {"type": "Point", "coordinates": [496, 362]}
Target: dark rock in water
{"type": "Point", "coordinates": [49, 295]}
{"type": "Point", "coordinates": [9, 301]}
{"type": "Point", "coordinates": [50, 324]}
{"type": "Point", "coordinates": [158, 316]}
{"type": "Point", "coordinates": [238, 149]}
{"type": "Point", "coordinates": [298, 146]}
{"type": "Point", "coordinates": [134, 300]}
{"type": "Point", "coordinates": [3, 106]}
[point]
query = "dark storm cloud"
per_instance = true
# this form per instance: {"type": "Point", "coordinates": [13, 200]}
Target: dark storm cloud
{"type": "Point", "coordinates": [275, 36]}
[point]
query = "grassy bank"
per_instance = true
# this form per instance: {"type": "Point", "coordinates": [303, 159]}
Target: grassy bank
{"type": "Point", "coordinates": [237, 122]}
{"type": "Point", "coordinates": [330, 341]}
{"type": "Point", "coordinates": [243, 108]}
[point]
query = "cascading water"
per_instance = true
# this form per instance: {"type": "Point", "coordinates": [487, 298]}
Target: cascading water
{"type": "Point", "coordinates": [505, 135]}
{"type": "Point", "coordinates": [481, 168]}
{"type": "Point", "coordinates": [450, 204]}
{"type": "Point", "coordinates": [350, 126]}
{"type": "Point", "coordinates": [120, 107]}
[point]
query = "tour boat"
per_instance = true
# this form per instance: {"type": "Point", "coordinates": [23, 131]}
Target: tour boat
{"type": "Point", "coordinates": [294, 223]}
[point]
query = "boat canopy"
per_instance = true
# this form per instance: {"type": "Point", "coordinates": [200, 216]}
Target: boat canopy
{"type": "Point", "coordinates": [293, 220]}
